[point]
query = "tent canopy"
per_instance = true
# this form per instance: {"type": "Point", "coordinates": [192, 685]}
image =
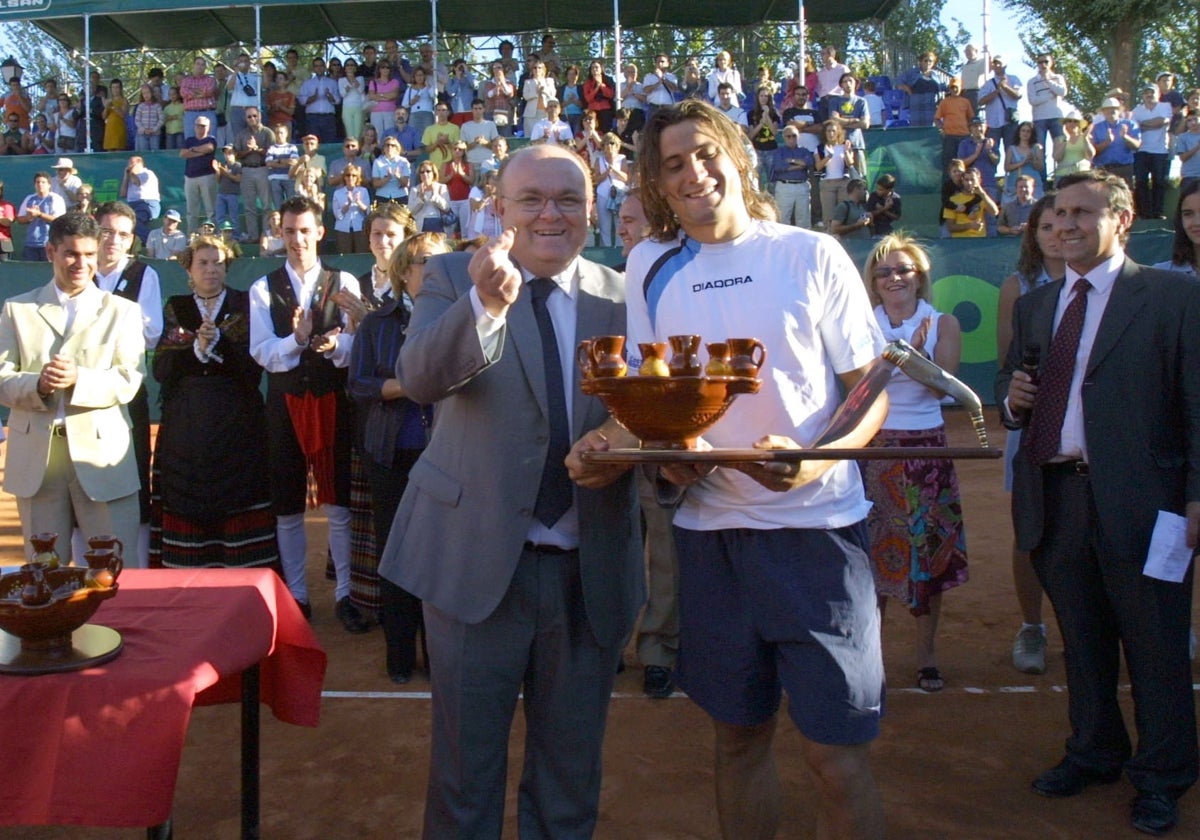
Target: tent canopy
{"type": "Point", "coordinates": [211, 23]}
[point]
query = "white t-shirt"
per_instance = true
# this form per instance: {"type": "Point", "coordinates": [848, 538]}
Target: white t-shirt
{"type": "Point", "coordinates": [238, 98]}
{"type": "Point", "coordinates": [660, 95]}
{"type": "Point", "coordinates": [353, 92]}
{"type": "Point", "coordinates": [911, 406]}
{"type": "Point", "coordinates": [1154, 140]}
{"type": "Point", "coordinates": [554, 132]}
{"type": "Point", "coordinates": [470, 132]}
{"type": "Point", "coordinates": [798, 292]}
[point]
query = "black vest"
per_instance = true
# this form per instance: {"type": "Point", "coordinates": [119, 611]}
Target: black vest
{"type": "Point", "coordinates": [132, 276]}
{"type": "Point", "coordinates": [315, 374]}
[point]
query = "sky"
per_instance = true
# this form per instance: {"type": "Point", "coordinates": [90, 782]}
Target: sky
{"type": "Point", "coordinates": [1001, 34]}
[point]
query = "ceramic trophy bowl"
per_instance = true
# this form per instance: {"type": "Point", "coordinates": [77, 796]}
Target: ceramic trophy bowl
{"type": "Point", "coordinates": [668, 412]}
{"type": "Point", "coordinates": [43, 606]}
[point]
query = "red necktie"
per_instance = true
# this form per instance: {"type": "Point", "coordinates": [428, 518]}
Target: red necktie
{"type": "Point", "coordinates": [1044, 435]}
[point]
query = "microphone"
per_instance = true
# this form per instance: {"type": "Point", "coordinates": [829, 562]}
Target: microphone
{"type": "Point", "coordinates": [1031, 358]}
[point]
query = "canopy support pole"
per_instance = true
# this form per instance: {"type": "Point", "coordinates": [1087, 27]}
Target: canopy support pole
{"type": "Point", "coordinates": [85, 90]}
{"type": "Point", "coordinates": [436, 46]}
{"type": "Point", "coordinates": [801, 38]}
{"type": "Point", "coordinates": [617, 52]}
{"type": "Point", "coordinates": [257, 65]}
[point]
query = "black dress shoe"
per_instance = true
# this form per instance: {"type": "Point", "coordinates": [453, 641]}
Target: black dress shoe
{"type": "Point", "coordinates": [399, 677]}
{"type": "Point", "coordinates": [1154, 813]}
{"type": "Point", "coordinates": [350, 617]}
{"type": "Point", "coordinates": [1067, 779]}
{"type": "Point", "coordinates": [657, 683]}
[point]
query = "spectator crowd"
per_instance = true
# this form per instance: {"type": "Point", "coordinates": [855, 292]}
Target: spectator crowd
{"type": "Point", "coordinates": [249, 136]}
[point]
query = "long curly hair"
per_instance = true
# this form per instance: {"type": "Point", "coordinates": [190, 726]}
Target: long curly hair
{"type": "Point", "coordinates": [1031, 259]}
{"type": "Point", "coordinates": [662, 221]}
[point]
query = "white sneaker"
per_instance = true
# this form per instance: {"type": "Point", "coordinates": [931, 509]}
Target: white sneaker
{"type": "Point", "coordinates": [1029, 650]}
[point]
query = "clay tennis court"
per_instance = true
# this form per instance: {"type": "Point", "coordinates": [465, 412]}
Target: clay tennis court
{"type": "Point", "coordinates": [956, 764]}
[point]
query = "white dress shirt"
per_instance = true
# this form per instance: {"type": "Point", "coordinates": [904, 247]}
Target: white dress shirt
{"type": "Point", "coordinates": [149, 299]}
{"type": "Point", "coordinates": [278, 355]}
{"type": "Point", "coordinates": [1103, 277]}
{"type": "Point", "coordinates": [562, 309]}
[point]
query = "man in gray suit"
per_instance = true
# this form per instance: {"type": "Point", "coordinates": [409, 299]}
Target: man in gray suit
{"type": "Point", "coordinates": [528, 583]}
{"type": "Point", "coordinates": [1112, 419]}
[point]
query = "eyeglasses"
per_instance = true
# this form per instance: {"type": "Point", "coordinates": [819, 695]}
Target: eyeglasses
{"type": "Point", "coordinates": [1043, 61]}
{"type": "Point", "coordinates": [883, 272]}
{"type": "Point", "coordinates": [533, 205]}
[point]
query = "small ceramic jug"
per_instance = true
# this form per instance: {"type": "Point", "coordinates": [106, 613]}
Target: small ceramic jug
{"type": "Point", "coordinates": [583, 358]}
{"type": "Point", "coordinates": [109, 541]}
{"type": "Point", "coordinates": [104, 566]}
{"type": "Point", "coordinates": [654, 359]}
{"type": "Point", "coordinates": [44, 550]}
{"type": "Point", "coordinates": [746, 356]}
{"type": "Point", "coordinates": [35, 589]}
{"type": "Point", "coordinates": [606, 356]}
{"type": "Point", "coordinates": [718, 359]}
{"type": "Point", "coordinates": [685, 358]}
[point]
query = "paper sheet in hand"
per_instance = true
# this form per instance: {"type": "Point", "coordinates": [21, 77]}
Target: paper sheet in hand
{"type": "Point", "coordinates": [1169, 555]}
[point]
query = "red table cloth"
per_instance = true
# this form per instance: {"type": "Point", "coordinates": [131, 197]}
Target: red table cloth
{"type": "Point", "coordinates": [102, 746]}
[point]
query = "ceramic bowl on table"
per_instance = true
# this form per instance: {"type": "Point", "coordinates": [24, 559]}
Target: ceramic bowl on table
{"type": "Point", "coordinates": [43, 606]}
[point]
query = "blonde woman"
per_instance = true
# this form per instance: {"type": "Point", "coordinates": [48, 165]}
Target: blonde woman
{"type": "Point", "coordinates": [351, 203]}
{"type": "Point", "coordinates": [535, 92]}
{"type": "Point", "coordinates": [428, 199]}
{"type": "Point", "coordinates": [611, 177]}
{"type": "Point", "coordinates": [918, 546]}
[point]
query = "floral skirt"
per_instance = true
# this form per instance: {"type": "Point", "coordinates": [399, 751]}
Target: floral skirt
{"type": "Point", "coordinates": [918, 547]}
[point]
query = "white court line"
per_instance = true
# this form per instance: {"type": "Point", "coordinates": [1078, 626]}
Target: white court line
{"type": "Point", "coordinates": [620, 695]}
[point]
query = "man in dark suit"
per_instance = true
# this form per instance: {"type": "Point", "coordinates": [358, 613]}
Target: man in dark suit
{"type": "Point", "coordinates": [1117, 441]}
{"type": "Point", "coordinates": [528, 583]}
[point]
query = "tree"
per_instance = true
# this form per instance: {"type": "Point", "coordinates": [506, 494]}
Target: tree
{"type": "Point", "coordinates": [42, 57]}
{"type": "Point", "coordinates": [1102, 44]}
{"type": "Point", "coordinates": [891, 47]}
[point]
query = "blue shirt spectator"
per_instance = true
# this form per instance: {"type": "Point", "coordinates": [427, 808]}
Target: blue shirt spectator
{"type": "Point", "coordinates": [408, 135]}
{"type": "Point", "coordinates": [792, 164]}
{"type": "Point", "coordinates": [1115, 139]}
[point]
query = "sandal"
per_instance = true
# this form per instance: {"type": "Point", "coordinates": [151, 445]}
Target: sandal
{"type": "Point", "coordinates": [930, 680]}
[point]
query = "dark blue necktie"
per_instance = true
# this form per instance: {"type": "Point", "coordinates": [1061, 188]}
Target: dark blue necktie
{"type": "Point", "coordinates": [555, 493]}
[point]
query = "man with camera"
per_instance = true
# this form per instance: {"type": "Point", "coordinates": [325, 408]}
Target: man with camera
{"type": "Point", "coordinates": [999, 96]}
{"type": "Point", "coordinates": [245, 91]}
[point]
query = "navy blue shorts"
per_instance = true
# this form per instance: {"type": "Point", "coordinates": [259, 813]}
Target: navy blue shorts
{"type": "Point", "coordinates": [787, 609]}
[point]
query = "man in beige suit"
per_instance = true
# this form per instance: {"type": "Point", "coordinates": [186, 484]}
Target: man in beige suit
{"type": "Point", "coordinates": [70, 359]}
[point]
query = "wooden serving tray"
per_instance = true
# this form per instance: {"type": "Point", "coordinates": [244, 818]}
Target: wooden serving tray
{"type": "Point", "coordinates": [738, 456]}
